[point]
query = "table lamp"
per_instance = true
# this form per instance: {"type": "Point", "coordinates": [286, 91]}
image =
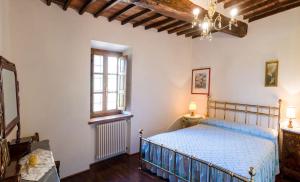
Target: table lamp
{"type": "Point", "coordinates": [291, 114]}
{"type": "Point", "coordinates": [193, 108]}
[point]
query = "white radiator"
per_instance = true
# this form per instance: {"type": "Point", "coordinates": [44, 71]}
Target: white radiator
{"type": "Point", "coordinates": [111, 139]}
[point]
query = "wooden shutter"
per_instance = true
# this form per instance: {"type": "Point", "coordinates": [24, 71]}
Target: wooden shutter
{"type": "Point", "coordinates": [122, 70]}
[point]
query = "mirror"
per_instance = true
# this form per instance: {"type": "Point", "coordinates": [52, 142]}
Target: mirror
{"type": "Point", "coordinates": [9, 98]}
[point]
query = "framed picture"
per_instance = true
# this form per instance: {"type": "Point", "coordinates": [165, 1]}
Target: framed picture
{"type": "Point", "coordinates": [201, 81]}
{"type": "Point", "coordinates": [271, 73]}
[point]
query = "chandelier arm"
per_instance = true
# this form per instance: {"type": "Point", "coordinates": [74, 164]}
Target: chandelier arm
{"type": "Point", "coordinates": [216, 27]}
{"type": "Point", "coordinates": [222, 28]}
{"type": "Point", "coordinates": [211, 23]}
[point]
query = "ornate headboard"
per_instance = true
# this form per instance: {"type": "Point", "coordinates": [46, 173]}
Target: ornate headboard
{"type": "Point", "coordinates": [267, 116]}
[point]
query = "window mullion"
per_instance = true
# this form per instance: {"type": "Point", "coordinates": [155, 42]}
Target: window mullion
{"type": "Point", "coordinates": [92, 85]}
{"type": "Point", "coordinates": [105, 82]}
{"type": "Point", "coordinates": [117, 98]}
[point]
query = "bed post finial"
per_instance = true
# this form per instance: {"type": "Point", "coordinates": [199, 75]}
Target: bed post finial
{"type": "Point", "coordinates": [141, 131]}
{"type": "Point", "coordinates": [207, 106]}
{"type": "Point", "coordinates": [140, 155]}
{"type": "Point", "coordinates": [279, 113]}
{"type": "Point", "coordinates": [279, 107]}
{"type": "Point", "coordinates": [252, 174]}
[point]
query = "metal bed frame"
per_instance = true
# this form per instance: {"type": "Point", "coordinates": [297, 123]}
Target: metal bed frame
{"type": "Point", "coordinates": [246, 109]}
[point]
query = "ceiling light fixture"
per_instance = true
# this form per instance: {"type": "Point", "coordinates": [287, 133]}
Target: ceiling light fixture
{"type": "Point", "coordinates": [211, 23]}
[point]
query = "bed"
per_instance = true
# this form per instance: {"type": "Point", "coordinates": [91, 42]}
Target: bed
{"type": "Point", "coordinates": [238, 142]}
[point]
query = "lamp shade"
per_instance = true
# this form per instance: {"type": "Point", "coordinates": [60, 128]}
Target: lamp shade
{"type": "Point", "coordinates": [291, 112]}
{"type": "Point", "coordinates": [192, 106]}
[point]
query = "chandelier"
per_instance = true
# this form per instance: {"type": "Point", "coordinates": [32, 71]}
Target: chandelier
{"type": "Point", "coordinates": [210, 23]}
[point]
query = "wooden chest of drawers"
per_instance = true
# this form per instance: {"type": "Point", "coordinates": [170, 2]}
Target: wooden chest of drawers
{"type": "Point", "coordinates": [291, 154]}
{"type": "Point", "coordinates": [188, 120]}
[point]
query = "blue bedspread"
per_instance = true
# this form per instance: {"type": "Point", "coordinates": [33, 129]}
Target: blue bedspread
{"type": "Point", "coordinates": [232, 146]}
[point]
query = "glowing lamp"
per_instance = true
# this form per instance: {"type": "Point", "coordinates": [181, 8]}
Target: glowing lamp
{"type": "Point", "coordinates": [234, 12]}
{"type": "Point", "coordinates": [205, 25]}
{"type": "Point", "coordinates": [196, 11]}
{"type": "Point", "coordinates": [291, 114]}
{"type": "Point", "coordinates": [193, 108]}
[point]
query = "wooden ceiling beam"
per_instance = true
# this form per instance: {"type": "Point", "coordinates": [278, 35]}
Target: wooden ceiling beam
{"type": "Point", "coordinates": [172, 25]}
{"type": "Point", "coordinates": [180, 28]}
{"type": "Point", "coordinates": [159, 23]}
{"type": "Point", "coordinates": [182, 10]}
{"type": "Point", "coordinates": [114, 16]}
{"type": "Point", "coordinates": [199, 34]}
{"type": "Point", "coordinates": [128, 19]}
{"type": "Point", "coordinates": [232, 3]}
{"type": "Point", "coordinates": [193, 33]}
{"type": "Point", "coordinates": [157, 15]}
{"type": "Point", "coordinates": [66, 4]}
{"type": "Point", "coordinates": [275, 11]}
{"type": "Point", "coordinates": [261, 10]}
{"type": "Point", "coordinates": [48, 2]}
{"type": "Point", "coordinates": [108, 5]}
{"type": "Point", "coordinates": [255, 6]}
{"type": "Point", "coordinates": [85, 6]}
{"type": "Point", "coordinates": [247, 4]}
{"type": "Point", "coordinates": [190, 30]}
{"type": "Point", "coordinates": [271, 7]}
{"type": "Point", "coordinates": [196, 36]}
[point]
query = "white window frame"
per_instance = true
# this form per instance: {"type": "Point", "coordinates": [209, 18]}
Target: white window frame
{"type": "Point", "coordinates": [121, 74]}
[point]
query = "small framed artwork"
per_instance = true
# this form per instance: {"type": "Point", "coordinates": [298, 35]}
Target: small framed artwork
{"type": "Point", "coordinates": [271, 73]}
{"type": "Point", "coordinates": [201, 81]}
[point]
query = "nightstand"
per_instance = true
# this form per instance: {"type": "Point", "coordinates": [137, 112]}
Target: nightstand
{"type": "Point", "coordinates": [291, 153]}
{"type": "Point", "coordinates": [188, 120]}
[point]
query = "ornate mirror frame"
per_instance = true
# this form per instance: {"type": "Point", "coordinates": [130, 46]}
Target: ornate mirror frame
{"type": "Point", "coordinates": [6, 130]}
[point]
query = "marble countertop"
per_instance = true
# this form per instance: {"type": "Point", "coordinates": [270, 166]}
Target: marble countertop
{"type": "Point", "coordinates": [293, 130]}
{"type": "Point", "coordinates": [196, 116]}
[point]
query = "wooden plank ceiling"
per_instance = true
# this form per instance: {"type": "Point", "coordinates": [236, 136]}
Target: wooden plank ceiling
{"type": "Point", "coordinates": [253, 10]}
{"type": "Point", "coordinates": [173, 16]}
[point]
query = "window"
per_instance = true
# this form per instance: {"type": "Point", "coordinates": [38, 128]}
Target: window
{"type": "Point", "coordinates": [108, 83]}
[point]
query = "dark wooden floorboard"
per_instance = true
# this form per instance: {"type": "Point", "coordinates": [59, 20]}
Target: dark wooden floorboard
{"type": "Point", "coordinates": [120, 169]}
{"type": "Point", "coordinates": [123, 168]}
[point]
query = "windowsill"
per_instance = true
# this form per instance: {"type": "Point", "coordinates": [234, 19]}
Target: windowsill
{"type": "Point", "coordinates": [110, 119]}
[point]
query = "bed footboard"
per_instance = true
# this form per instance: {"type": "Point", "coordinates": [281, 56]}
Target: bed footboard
{"type": "Point", "coordinates": [191, 160]}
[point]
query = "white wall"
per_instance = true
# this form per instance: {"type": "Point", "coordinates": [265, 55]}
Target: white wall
{"type": "Point", "coordinates": [51, 49]}
{"type": "Point", "coordinates": [1, 27]}
{"type": "Point", "coordinates": [238, 65]}
{"type": "Point", "coordinates": [5, 41]}
{"type": "Point", "coordinates": [4, 29]}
